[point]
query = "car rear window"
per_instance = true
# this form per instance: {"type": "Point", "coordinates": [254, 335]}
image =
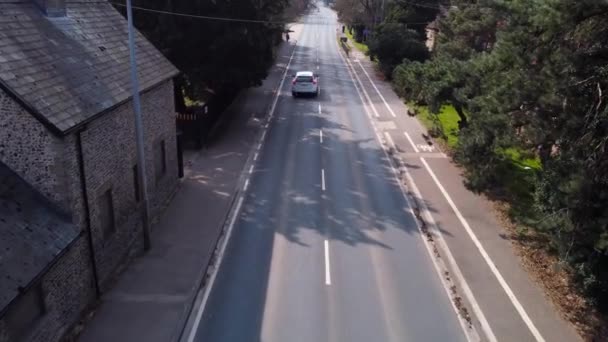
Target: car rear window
{"type": "Point", "coordinates": [304, 79]}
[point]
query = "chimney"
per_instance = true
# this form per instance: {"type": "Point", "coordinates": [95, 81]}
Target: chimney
{"type": "Point", "coordinates": [52, 8]}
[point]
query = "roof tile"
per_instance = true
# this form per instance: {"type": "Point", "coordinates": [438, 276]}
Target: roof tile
{"type": "Point", "coordinates": [39, 55]}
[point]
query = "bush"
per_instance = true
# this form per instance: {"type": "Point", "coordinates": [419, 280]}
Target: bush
{"type": "Point", "coordinates": [393, 42]}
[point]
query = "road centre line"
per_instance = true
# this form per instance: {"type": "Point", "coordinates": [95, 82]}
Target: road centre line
{"type": "Point", "coordinates": [503, 283]}
{"type": "Point", "coordinates": [209, 285]}
{"type": "Point", "coordinates": [471, 336]}
{"type": "Point", "coordinates": [263, 135]}
{"type": "Point", "coordinates": [251, 169]}
{"type": "Point", "coordinates": [327, 270]}
{"type": "Point", "coordinates": [377, 91]}
{"type": "Point", "coordinates": [323, 179]}
{"type": "Point", "coordinates": [246, 184]}
{"type": "Point", "coordinates": [411, 142]}
{"type": "Point", "coordinates": [321, 135]}
{"type": "Point", "coordinates": [255, 156]}
{"type": "Point", "coordinates": [320, 112]}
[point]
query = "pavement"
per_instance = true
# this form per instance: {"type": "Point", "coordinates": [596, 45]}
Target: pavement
{"type": "Point", "coordinates": [152, 298]}
{"type": "Point", "coordinates": [507, 303]}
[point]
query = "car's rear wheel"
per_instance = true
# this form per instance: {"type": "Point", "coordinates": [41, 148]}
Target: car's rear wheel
{"type": "Point", "coordinates": [294, 94]}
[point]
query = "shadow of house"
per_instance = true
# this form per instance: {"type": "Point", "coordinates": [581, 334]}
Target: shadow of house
{"type": "Point", "coordinates": [67, 129]}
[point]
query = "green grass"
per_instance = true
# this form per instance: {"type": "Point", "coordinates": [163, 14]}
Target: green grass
{"type": "Point", "coordinates": [517, 174]}
{"type": "Point", "coordinates": [525, 161]}
{"type": "Point", "coordinates": [360, 46]}
{"type": "Point", "coordinates": [190, 102]}
{"type": "Point", "coordinates": [448, 122]}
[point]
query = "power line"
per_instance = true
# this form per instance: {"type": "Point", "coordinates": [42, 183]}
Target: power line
{"type": "Point", "coordinates": [237, 20]}
{"type": "Point", "coordinates": [205, 17]}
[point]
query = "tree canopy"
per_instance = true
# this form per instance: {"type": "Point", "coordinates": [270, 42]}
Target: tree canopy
{"type": "Point", "coordinates": [534, 77]}
{"type": "Point", "coordinates": [214, 54]}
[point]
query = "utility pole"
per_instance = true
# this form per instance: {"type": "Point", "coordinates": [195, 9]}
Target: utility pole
{"type": "Point", "coordinates": [139, 132]}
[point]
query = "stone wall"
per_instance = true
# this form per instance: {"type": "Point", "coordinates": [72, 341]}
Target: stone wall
{"type": "Point", "coordinates": [110, 154]}
{"type": "Point", "coordinates": [67, 289]}
{"type": "Point", "coordinates": [50, 164]}
{"type": "Point", "coordinates": [31, 151]}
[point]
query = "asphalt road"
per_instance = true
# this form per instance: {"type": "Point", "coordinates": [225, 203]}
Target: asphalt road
{"type": "Point", "coordinates": [325, 247]}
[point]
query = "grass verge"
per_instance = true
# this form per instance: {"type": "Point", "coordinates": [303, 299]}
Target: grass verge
{"type": "Point", "coordinates": [360, 46]}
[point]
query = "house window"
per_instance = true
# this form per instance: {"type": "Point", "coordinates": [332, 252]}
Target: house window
{"type": "Point", "coordinates": [25, 313]}
{"type": "Point", "coordinates": [106, 213]}
{"type": "Point", "coordinates": [160, 160]}
{"type": "Point", "coordinates": [136, 182]}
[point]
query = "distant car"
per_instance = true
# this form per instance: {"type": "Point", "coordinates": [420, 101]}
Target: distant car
{"type": "Point", "coordinates": [305, 82]}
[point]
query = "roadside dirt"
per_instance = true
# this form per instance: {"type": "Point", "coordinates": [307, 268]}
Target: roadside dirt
{"type": "Point", "coordinates": [555, 278]}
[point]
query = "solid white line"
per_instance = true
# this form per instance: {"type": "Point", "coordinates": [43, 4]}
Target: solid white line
{"type": "Point", "coordinates": [520, 309]}
{"type": "Point", "coordinates": [209, 285]}
{"type": "Point", "coordinates": [255, 156]}
{"type": "Point", "coordinates": [327, 271]}
{"type": "Point", "coordinates": [321, 135]}
{"type": "Point", "coordinates": [246, 185]}
{"type": "Point", "coordinates": [251, 169]}
{"type": "Point", "coordinates": [471, 336]}
{"type": "Point", "coordinates": [377, 91]}
{"type": "Point", "coordinates": [207, 292]}
{"type": "Point", "coordinates": [351, 73]}
{"type": "Point", "coordinates": [390, 141]}
{"type": "Point", "coordinates": [323, 179]}
{"type": "Point", "coordinates": [447, 254]}
{"type": "Point", "coordinates": [411, 142]}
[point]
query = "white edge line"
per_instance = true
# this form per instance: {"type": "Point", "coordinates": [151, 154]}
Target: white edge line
{"type": "Point", "coordinates": [503, 283]}
{"type": "Point", "coordinates": [378, 91]}
{"type": "Point", "coordinates": [351, 73]}
{"type": "Point", "coordinates": [447, 254]}
{"type": "Point", "coordinates": [323, 179]}
{"type": "Point", "coordinates": [465, 329]}
{"type": "Point", "coordinates": [390, 141]}
{"type": "Point", "coordinates": [201, 308]}
{"type": "Point", "coordinates": [207, 291]}
{"type": "Point", "coordinates": [327, 270]}
{"type": "Point", "coordinates": [411, 142]}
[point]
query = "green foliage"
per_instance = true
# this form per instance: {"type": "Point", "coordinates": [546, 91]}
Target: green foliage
{"type": "Point", "coordinates": [532, 81]}
{"type": "Point", "coordinates": [223, 56]}
{"type": "Point", "coordinates": [444, 124]}
{"type": "Point", "coordinates": [360, 46]}
{"type": "Point", "coordinates": [392, 43]}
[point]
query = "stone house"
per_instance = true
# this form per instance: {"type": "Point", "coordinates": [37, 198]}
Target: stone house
{"type": "Point", "coordinates": [70, 210]}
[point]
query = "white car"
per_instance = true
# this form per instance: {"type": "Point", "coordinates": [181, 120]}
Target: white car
{"type": "Point", "coordinates": [305, 82]}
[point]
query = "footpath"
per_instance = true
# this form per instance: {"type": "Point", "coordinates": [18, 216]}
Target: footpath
{"type": "Point", "coordinates": [153, 297]}
{"type": "Point", "coordinates": [507, 304]}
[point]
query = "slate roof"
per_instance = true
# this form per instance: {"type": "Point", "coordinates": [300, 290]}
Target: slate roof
{"type": "Point", "coordinates": [67, 70]}
{"type": "Point", "coordinates": [32, 233]}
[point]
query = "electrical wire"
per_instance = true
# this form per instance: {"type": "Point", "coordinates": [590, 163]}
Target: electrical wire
{"type": "Point", "coordinates": [227, 19]}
